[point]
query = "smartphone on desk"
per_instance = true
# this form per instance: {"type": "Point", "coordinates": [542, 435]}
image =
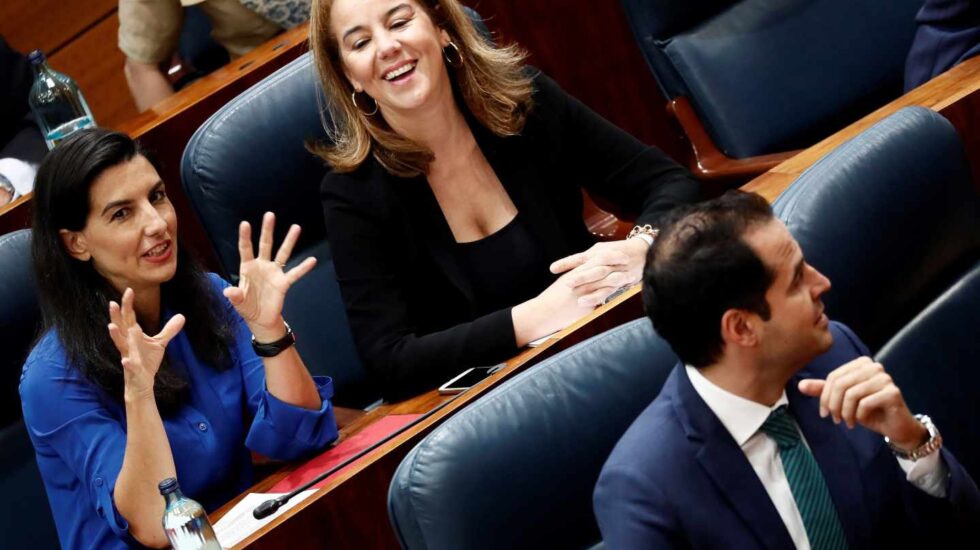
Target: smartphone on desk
{"type": "Point", "coordinates": [467, 379]}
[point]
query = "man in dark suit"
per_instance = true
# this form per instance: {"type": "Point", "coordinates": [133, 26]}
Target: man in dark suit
{"type": "Point", "coordinates": [770, 434]}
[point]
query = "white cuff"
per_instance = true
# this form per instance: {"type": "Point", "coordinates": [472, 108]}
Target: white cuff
{"type": "Point", "coordinates": [929, 473]}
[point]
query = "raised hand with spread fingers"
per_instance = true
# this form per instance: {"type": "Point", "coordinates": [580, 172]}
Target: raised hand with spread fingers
{"type": "Point", "coordinates": [263, 279]}
{"type": "Point", "coordinates": [141, 353]}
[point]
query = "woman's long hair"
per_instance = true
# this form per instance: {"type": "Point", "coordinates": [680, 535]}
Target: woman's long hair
{"type": "Point", "coordinates": [492, 83]}
{"type": "Point", "coordinates": [75, 298]}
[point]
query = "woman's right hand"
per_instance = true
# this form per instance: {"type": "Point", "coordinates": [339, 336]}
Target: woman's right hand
{"type": "Point", "coordinates": [552, 310]}
{"type": "Point", "coordinates": [141, 353]}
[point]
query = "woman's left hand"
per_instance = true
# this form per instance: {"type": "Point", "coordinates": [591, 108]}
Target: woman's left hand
{"type": "Point", "coordinates": [263, 281]}
{"type": "Point", "coordinates": [602, 269]}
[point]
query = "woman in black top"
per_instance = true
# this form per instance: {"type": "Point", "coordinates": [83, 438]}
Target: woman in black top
{"type": "Point", "coordinates": [455, 195]}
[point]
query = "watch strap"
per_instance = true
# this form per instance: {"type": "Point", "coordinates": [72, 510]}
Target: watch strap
{"type": "Point", "coordinates": [272, 349]}
{"type": "Point", "coordinates": [933, 444]}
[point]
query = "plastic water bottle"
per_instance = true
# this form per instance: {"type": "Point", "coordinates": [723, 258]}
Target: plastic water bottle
{"type": "Point", "coordinates": [58, 104]}
{"type": "Point", "coordinates": [184, 520]}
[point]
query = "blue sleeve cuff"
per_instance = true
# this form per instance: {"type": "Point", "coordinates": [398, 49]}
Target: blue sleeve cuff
{"type": "Point", "coordinates": [105, 506]}
{"type": "Point", "coordinates": [285, 432]}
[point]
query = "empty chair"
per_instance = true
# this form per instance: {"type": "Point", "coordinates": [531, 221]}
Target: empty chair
{"type": "Point", "coordinates": [752, 78]}
{"type": "Point", "coordinates": [517, 468]}
{"type": "Point", "coordinates": [25, 516]}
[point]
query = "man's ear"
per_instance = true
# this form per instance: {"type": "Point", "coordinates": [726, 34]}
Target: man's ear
{"type": "Point", "coordinates": [739, 328]}
{"type": "Point", "coordinates": [75, 244]}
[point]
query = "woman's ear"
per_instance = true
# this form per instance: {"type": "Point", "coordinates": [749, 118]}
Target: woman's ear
{"type": "Point", "coordinates": [75, 244]}
{"type": "Point", "coordinates": [444, 38]}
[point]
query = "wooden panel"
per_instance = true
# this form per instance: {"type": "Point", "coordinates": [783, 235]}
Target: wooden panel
{"type": "Point", "coordinates": [49, 24]}
{"type": "Point", "coordinates": [96, 64]}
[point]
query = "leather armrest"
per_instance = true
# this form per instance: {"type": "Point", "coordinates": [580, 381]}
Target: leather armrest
{"type": "Point", "coordinates": [708, 162]}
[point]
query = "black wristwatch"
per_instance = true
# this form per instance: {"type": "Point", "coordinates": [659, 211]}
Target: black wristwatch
{"type": "Point", "coordinates": [273, 349]}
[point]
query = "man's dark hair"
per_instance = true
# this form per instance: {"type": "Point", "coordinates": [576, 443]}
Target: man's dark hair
{"type": "Point", "coordinates": [700, 267]}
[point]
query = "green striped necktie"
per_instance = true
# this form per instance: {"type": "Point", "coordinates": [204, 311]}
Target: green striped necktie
{"type": "Point", "coordinates": [809, 489]}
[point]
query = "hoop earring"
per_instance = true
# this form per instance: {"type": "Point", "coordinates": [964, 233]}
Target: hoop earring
{"type": "Point", "coordinates": [353, 99]}
{"type": "Point", "coordinates": [458, 61]}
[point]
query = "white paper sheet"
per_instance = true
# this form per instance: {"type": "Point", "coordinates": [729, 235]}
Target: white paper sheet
{"type": "Point", "coordinates": [239, 523]}
{"type": "Point", "coordinates": [539, 341]}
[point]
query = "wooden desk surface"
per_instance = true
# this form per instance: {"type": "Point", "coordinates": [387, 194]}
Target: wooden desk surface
{"type": "Point", "coordinates": [351, 509]}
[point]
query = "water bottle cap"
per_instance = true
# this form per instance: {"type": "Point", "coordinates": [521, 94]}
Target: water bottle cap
{"type": "Point", "coordinates": [36, 57]}
{"type": "Point", "coordinates": [168, 486]}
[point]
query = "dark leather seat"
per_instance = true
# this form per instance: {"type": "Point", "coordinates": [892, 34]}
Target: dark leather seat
{"type": "Point", "coordinates": [25, 516]}
{"type": "Point", "coordinates": [770, 76]}
{"type": "Point", "coordinates": [517, 468]}
{"type": "Point", "coordinates": [249, 158]}
{"type": "Point", "coordinates": [893, 219]}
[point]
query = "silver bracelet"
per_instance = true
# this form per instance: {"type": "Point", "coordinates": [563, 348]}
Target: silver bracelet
{"type": "Point", "coordinates": [645, 232]}
{"type": "Point", "coordinates": [933, 444]}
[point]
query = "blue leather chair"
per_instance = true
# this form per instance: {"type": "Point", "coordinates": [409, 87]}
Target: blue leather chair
{"type": "Point", "coordinates": [25, 516]}
{"type": "Point", "coordinates": [893, 219]}
{"type": "Point", "coordinates": [517, 468]}
{"type": "Point", "coordinates": [250, 157]}
{"type": "Point", "coordinates": [769, 76]}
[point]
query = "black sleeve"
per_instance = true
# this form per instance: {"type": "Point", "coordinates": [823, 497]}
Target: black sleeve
{"type": "Point", "coordinates": [367, 241]}
{"type": "Point", "coordinates": [16, 78]}
{"type": "Point", "coordinates": [638, 180]}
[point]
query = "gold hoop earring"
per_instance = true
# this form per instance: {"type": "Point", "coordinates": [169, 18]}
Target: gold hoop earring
{"type": "Point", "coordinates": [458, 61]}
{"type": "Point", "coordinates": [353, 99]}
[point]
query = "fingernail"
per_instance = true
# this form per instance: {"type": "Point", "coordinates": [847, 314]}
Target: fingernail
{"type": "Point", "coordinates": [823, 412]}
{"type": "Point", "coordinates": [836, 420]}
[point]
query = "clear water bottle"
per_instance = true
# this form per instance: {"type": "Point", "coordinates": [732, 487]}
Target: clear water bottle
{"type": "Point", "coordinates": [58, 104]}
{"type": "Point", "coordinates": [184, 520]}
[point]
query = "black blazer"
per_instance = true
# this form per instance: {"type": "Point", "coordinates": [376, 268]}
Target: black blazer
{"type": "Point", "coordinates": [410, 306]}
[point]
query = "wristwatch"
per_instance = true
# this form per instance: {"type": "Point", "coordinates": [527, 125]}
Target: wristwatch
{"type": "Point", "coordinates": [933, 444]}
{"type": "Point", "coordinates": [646, 233]}
{"type": "Point", "coordinates": [273, 349]}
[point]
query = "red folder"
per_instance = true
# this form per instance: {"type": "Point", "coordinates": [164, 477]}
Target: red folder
{"type": "Point", "coordinates": [342, 451]}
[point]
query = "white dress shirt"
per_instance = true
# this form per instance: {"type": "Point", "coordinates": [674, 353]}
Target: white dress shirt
{"type": "Point", "coordinates": [743, 418]}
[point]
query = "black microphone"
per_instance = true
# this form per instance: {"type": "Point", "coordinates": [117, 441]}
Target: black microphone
{"type": "Point", "coordinates": [270, 506]}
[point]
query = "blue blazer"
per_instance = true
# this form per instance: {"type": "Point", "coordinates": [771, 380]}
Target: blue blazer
{"type": "Point", "coordinates": [948, 33]}
{"type": "Point", "coordinates": [677, 478]}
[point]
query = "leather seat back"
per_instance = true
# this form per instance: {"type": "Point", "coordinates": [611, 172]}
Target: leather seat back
{"type": "Point", "coordinates": [25, 516]}
{"type": "Point", "coordinates": [20, 317]}
{"type": "Point", "coordinates": [517, 468]}
{"type": "Point", "coordinates": [250, 158]}
{"type": "Point", "coordinates": [934, 360]}
{"type": "Point", "coordinates": [891, 217]}
{"type": "Point", "coordinates": [767, 76]}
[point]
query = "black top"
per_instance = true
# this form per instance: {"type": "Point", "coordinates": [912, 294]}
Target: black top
{"type": "Point", "coordinates": [505, 268]}
{"type": "Point", "coordinates": [412, 307]}
{"type": "Point", "coordinates": [16, 78]}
